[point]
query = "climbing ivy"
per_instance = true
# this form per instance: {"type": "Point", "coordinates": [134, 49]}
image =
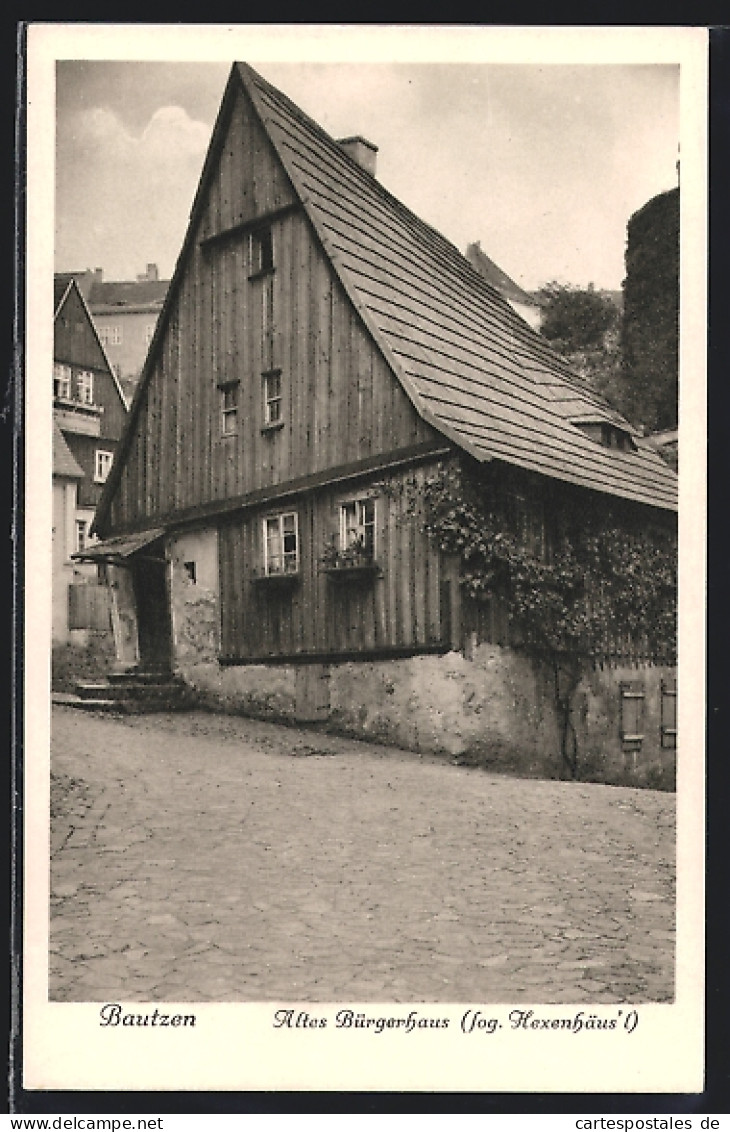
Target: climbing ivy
{"type": "Point", "coordinates": [593, 581]}
{"type": "Point", "coordinates": [586, 582]}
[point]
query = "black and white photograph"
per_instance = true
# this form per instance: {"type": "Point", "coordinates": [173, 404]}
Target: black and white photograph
{"type": "Point", "coordinates": [362, 735]}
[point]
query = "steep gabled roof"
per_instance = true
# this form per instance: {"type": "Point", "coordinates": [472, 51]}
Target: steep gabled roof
{"type": "Point", "coordinates": [499, 279]}
{"type": "Point", "coordinates": [125, 294]}
{"type": "Point", "coordinates": [471, 366]}
{"type": "Point", "coordinates": [64, 461]}
{"type": "Point", "coordinates": [63, 284]}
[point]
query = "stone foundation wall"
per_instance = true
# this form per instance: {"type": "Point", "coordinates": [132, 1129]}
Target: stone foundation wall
{"type": "Point", "coordinates": [496, 710]}
{"type": "Point", "coordinates": [492, 707]}
{"type": "Point", "coordinates": [596, 718]}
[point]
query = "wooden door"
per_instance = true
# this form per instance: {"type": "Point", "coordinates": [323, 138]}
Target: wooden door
{"type": "Point", "coordinates": [153, 611]}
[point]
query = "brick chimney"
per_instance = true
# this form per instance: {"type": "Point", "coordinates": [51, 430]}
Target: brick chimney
{"type": "Point", "coordinates": [152, 273]}
{"type": "Point", "coordinates": [362, 151]}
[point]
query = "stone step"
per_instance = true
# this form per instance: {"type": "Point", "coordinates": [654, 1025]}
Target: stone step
{"type": "Point", "coordinates": [92, 690]}
{"type": "Point", "coordinates": [125, 705]}
{"type": "Point", "coordinates": [97, 704]}
{"type": "Point", "coordinates": [129, 690]}
{"type": "Point", "coordinates": [140, 676]}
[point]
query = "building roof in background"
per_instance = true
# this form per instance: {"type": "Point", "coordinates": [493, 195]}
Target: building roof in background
{"type": "Point", "coordinates": [498, 278]}
{"type": "Point", "coordinates": [62, 283]}
{"type": "Point", "coordinates": [471, 366]}
{"type": "Point", "coordinates": [64, 462]}
{"type": "Point", "coordinates": [140, 294]}
{"type": "Point", "coordinates": [108, 296]}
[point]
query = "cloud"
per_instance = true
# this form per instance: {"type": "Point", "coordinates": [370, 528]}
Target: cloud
{"type": "Point", "coordinates": [124, 197]}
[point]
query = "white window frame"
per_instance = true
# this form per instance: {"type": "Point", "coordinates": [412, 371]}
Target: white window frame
{"type": "Point", "coordinates": [276, 529]}
{"type": "Point", "coordinates": [273, 397]}
{"type": "Point", "coordinates": [85, 387]}
{"type": "Point", "coordinates": [102, 464]}
{"type": "Point", "coordinates": [62, 381]}
{"type": "Point", "coordinates": [229, 408]}
{"type": "Point", "coordinates": [357, 524]}
{"type": "Point", "coordinates": [81, 535]}
{"type": "Point", "coordinates": [149, 333]}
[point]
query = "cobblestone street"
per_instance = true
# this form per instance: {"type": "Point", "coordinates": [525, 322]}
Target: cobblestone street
{"type": "Point", "coordinates": [201, 857]}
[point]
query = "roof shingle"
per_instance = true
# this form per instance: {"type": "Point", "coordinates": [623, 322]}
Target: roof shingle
{"type": "Point", "coordinates": [472, 367]}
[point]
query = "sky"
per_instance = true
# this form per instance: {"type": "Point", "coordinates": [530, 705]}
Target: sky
{"type": "Point", "coordinates": [543, 164]}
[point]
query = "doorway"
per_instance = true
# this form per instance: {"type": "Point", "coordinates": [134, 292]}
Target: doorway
{"type": "Point", "coordinates": [154, 628]}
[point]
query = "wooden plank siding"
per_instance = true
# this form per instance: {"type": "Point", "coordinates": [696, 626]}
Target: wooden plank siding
{"type": "Point", "coordinates": [399, 608]}
{"type": "Point", "coordinates": [467, 360]}
{"type": "Point", "coordinates": [340, 402]}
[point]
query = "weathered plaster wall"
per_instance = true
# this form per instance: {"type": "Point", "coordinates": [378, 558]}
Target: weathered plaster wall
{"type": "Point", "coordinates": [494, 710]}
{"type": "Point", "coordinates": [64, 509]}
{"type": "Point", "coordinates": [256, 690]}
{"type": "Point", "coordinates": [195, 603]}
{"type": "Point", "coordinates": [596, 718]}
{"type": "Point", "coordinates": [494, 707]}
{"type": "Point", "coordinates": [124, 615]}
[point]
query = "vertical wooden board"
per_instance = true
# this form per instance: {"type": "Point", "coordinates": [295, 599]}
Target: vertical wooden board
{"type": "Point", "coordinates": [192, 348]}
{"type": "Point", "coordinates": [235, 135]}
{"type": "Point", "coordinates": [290, 356]}
{"type": "Point", "coordinates": [215, 374]}
{"type": "Point", "coordinates": [343, 379]}
{"type": "Point", "coordinates": [140, 501]}
{"type": "Point", "coordinates": [154, 467]}
{"type": "Point", "coordinates": [148, 441]}
{"type": "Point", "coordinates": [362, 372]}
{"type": "Point", "coordinates": [162, 470]}
{"type": "Point", "coordinates": [244, 587]}
{"type": "Point", "coordinates": [237, 366]}
{"type": "Point", "coordinates": [310, 449]}
{"type": "Point", "coordinates": [236, 614]}
{"type": "Point", "coordinates": [394, 570]}
{"type": "Point", "coordinates": [324, 335]}
{"type": "Point", "coordinates": [405, 578]}
{"type": "Point", "coordinates": [192, 423]}
{"type": "Point", "coordinates": [231, 473]}
{"type": "Point", "coordinates": [282, 342]}
{"type": "Point", "coordinates": [311, 455]}
{"type": "Point", "coordinates": [433, 630]}
{"type": "Point", "coordinates": [196, 469]}
{"type": "Point", "coordinates": [183, 377]}
{"type": "Point", "coordinates": [321, 626]}
{"type": "Point", "coordinates": [225, 589]}
{"type": "Point", "coordinates": [417, 566]}
{"type": "Point", "coordinates": [249, 382]}
{"type": "Point", "coordinates": [243, 584]}
{"type": "Point", "coordinates": [244, 190]}
{"type": "Point", "coordinates": [172, 455]}
{"type": "Point", "coordinates": [256, 169]}
{"type": "Point", "coordinates": [228, 176]}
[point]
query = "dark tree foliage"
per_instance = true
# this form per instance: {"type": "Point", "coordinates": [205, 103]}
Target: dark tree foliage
{"type": "Point", "coordinates": [583, 325]}
{"type": "Point", "coordinates": [606, 577]}
{"type": "Point", "coordinates": [650, 331]}
{"type": "Point", "coordinates": [576, 319]}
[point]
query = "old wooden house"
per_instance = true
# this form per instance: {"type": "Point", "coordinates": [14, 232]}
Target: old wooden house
{"type": "Point", "coordinates": [89, 411]}
{"type": "Point", "coordinates": [320, 352]}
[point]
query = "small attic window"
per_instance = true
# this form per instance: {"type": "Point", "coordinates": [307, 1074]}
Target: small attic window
{"type": "Point", "coordinates": [262, 252]}
{"type": "Point", "coordinates": [608, 435]}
